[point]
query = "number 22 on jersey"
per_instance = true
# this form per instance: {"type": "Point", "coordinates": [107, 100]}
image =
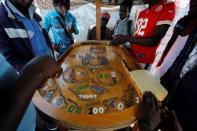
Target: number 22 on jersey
{"type": "Point", "coordinates": [141, 25]}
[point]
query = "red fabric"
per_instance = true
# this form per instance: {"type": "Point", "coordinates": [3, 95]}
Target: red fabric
{"type": "Point", "coordinates": [161, 13]}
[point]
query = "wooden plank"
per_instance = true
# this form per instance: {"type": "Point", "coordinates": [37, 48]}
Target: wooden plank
{"type": "Point", "coordinates": [144, 81]}
{"type": "Point", "coordinates": [98, 19]}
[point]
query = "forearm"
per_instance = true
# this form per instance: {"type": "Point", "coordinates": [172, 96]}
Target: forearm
{"type": "Point", "coordinates": [147, 41]}
{"type": "Point", "coordinates": [18, 101]}
{"type": "Point", "coordinates": [145, 126]}
{"type": "Point", "coordinates": [20, 93]}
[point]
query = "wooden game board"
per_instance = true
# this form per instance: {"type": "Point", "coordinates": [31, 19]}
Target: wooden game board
{"type": "Point", "coordinates": [95, 90]}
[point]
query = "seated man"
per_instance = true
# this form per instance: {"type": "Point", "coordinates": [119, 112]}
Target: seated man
{"type": "Point", "coordinates": [152, 25]}
{"type": "Point", "coordinates": [19, 89]}
{"type": "Point", "coordinates": [106, 33]}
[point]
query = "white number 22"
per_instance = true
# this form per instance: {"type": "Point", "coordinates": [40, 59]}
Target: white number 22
{"type": "Point", "coordinates": [141, 24]}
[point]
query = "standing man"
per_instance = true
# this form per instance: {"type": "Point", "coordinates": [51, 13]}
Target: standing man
{"type": "Point", "coordinates": [152, 25]}
{"type": "Point", "coordinates": [62, 24]}
{"type": "Point", "coordinates": [22, 37]}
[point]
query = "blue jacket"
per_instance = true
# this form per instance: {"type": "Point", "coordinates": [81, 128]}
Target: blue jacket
{"type": "Point", "coordinates": [14, 41]}
{"type": "Point", "coordinates": [51, 22]}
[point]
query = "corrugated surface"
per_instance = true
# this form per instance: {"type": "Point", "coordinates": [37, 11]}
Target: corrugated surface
{"type": "Point", "coordinates": [47, 4]}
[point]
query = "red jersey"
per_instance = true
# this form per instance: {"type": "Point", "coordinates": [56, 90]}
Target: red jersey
{"type": "Point", "coordinates": [161, 13]}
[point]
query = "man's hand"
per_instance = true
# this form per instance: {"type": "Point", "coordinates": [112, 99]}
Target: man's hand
{"type": "Point", "coordinates": [41, 67]}
{"type": "Point", "coordinates": [71, 29]}
{"type": "Point", "coordinates": [149, 112]}
{"type": "Point", "coordinates": [169, 120]}
{"type": "Point", "coordinates": [55, 47]}
{"type": "Point", "coordinates": [119, 39]}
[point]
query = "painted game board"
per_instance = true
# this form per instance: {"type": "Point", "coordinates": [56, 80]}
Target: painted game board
{"type": "Point", "coordinates": [95, 89]}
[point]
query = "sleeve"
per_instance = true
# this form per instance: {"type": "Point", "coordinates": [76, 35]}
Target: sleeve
{"type": "Point", "coordinates": [167, 14]}
{"type": "Point", "coordinates": [75, 24]}
{"type": "Point", "coordinates": [7, 74]}
{"type": "Point", "coordinates": [47, 23]}
{"type": "Point", "coordinates": [8, 50]}
{"type": "Point", "coordinates": [89, 35]}
{"type": "Point", "coordinates": [132, 28]}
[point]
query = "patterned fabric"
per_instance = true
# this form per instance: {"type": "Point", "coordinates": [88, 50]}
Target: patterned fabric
{"type": "Point", "coordinates": [159, 14]}
{"type": "Point", "coordinates": [191, 61]}
{"type": "Point", "coordinates": [60, 38]}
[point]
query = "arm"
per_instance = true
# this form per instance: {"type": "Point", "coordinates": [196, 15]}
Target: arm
{"type": "Point", "coordinates": [75, 25]}
{"type": "Point", "coordinates": [20, 94]}
{"type": "Point", "coordinates": [149, 113]}
{"type": "Point", "coordinates": [159, 33]}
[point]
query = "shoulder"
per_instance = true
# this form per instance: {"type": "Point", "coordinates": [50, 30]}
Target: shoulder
{"type": "Point", "coordinates": [92, 27]}
{"type": "Point", "coordinates": [144, 10]}
{"type": "Point", "coordinates": [70, 15]}
{"type": "Point", "coordinates": [117, 22]}
{"type": "Point", "coordinates": [50, 14]}
{"type": "Point", "coordinates": [164, 6]}
{"type": "Point", "coordinates": [3, 13]}
{"type": "Point", "coordinates": [130, 21]}
{"type": "Point", "coordinates": [169, 5]}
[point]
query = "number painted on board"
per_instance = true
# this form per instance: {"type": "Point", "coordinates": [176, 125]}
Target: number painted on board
{"type": "Point", "coordinates": [120, 106]}
{"type": "Point", "coordinates": [137, 100]}
{"type": "Point", "coordinates": [98, 110]}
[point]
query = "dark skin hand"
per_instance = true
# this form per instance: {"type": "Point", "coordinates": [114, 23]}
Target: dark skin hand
{"type": "Point", "coordinates": [149, 113]}
{"type": "Point", "coordinates": [20, 94]}
{"type": "Point", "coordinates": [169, 121]}
{"type": "Point", "coordinates": [55, 47]}
{"type": "Point", "coordinates": [71, 29]}
{"type": "Point", "coordinates": [159, 33]}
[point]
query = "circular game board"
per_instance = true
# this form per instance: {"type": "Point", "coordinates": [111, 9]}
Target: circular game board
{"type": "Point", "coordinates": [94, 91]}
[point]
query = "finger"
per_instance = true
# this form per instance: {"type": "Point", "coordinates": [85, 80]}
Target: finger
{"type": "Point", "coordinates": [59, 72]}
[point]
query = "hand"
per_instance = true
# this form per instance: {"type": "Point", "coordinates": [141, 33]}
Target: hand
{"type": "Point", "coordinates": [149, 112]}
{"type": "Point", "coordinates": [55, 47]}
{"type": "Point", "coordinates": [169, 120]}
{"type": "Point", "coordinates": [71, 29]}
{"type": "Point", "coordinates": [119, 39]}
{"type": "Point", "coordinates": [41, 67]}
